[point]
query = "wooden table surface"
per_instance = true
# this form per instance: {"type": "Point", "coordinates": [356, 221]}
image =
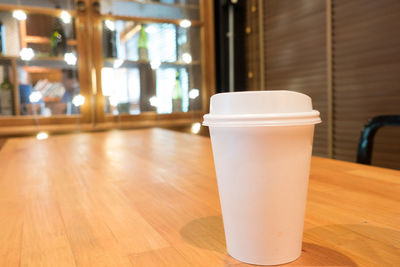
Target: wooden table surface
{"type": "Point", "coordinates": [149, 198]}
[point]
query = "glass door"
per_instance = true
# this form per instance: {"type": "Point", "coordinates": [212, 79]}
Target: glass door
{"type": "Point", "coordinates": [150, 58]}
{"type": "Point", "coordinates": [86, 62]}
{"type": "Point", "coordinates": [42, 70]}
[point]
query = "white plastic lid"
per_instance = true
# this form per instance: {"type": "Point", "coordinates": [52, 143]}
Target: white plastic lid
{"type": "Point", "coordinates": [261, 108]}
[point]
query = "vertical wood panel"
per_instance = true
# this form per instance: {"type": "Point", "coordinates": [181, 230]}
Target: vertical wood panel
{"type": "Point", "coordinates": [15, 81]}
{"type": "Point", "coordinates": [295, 55]}
{"type": "Point", "coordinates": [261, 43]}
{"type": "Point", "coordinates": [329, 74]}
{"type": "Point", "coordinates": [82, 35]}
{"type": "Point", "coordinates": [345, 55]}
{"type": "Point", "coordinates": [252, 45]}
{"type": "Point", "coordinates": [366, 64]}
{"type": "Point", "coordinates": [208, 52]}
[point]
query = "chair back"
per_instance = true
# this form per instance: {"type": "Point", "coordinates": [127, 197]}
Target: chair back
{"type": "Point", "coordinates": [366, 142]}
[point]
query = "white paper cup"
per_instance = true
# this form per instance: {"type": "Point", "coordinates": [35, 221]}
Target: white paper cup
{"type": "Point", "coordinates": [262, 144]}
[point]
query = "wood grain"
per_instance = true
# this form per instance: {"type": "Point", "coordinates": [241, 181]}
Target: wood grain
{"type": "Point", "coordinates": [149, 198]}
{"type": "Point", "coordinates": [2, 142]}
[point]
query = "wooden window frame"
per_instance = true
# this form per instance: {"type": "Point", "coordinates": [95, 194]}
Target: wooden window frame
{"type": "Point", "coordinates": [92, 117]}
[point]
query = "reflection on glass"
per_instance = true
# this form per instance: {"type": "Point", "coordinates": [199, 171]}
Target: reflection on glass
{"type": "Point", "coordinates": [44, 49]}
{"type": "Point", "coordinates": [156, 42]}
{"type": "Point", "coordinates": [124, 92]}
{"type": "Point", "coordinates": [172, 90]}
{"type": "Point", "coordinates": [166, 60]}
{"type": "Point", "coordinates": [48, 92]}
{"type": "Point", "coordinates": [145, 42]}
{"type": "Point", "coordinates": [118, 63]}
{"type": "Point", "coordinates": [10, 37]}
{"type": "Point", "coordinates": [177, 94]}
{"type": "Point", "coordinates": [121, 89]}
{"type": "Point", "coordinates": [44, 35]}
{"type": "Point", "coordinates": [173, 9]}
{"type": "Point", "coordinates": [63, 4]}
{"type": "Point", "coordinates": [6, 91]}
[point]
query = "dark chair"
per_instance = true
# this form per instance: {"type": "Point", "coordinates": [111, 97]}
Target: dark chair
{"type": "Point", "coordinates": [365, 145]}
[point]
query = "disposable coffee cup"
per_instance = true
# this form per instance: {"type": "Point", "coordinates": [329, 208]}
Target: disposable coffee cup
{"type": "Point", "coordinates": [262, 144]}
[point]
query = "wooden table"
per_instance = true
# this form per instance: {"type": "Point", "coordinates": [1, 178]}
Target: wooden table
{"type": "Point", "coordinates": [149, 198]}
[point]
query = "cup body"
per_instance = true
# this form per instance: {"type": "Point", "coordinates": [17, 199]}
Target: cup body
{"type": "Point", "coordinates": [262, 174]}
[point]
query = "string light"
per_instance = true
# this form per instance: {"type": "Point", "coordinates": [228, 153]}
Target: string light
{"type": "Point", "coordinates": [194, 93]}
{"type": "Point", "coordinates": [185, 23]}
{"type": "Point", "coordinates": [19, 15]}
{"type": "Point", "coordinates": [154, 101]}
{"type": "Point", "coordinates": [35, 97]}
{"type": "Point", "coordinates": [70, 58]}
{"type": "Point", "coordinates": [187, 58]}
{"type": "Point", "coordinates": [78, 100]}
{"type": "Point", "coordinates": [196, 127]}
{"type": "Point", "coordinates": [26, 53]}
{"type": "Point", "coordinates": [118, 63]}
{"type": "Point", "coordinates": [113, 101]}
{"type": "Point", "coordinates": [110, 24]}
{"type": "Point", "coordinates": [65, 17]}
{"type": "Point", "coordinates": [42, 136]}
{"type": "Point", "coordinates": [155, 64]}
{"type": "Point", "coordinates": [151, 29]}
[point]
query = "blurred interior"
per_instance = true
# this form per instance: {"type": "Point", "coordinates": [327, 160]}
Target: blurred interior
{"type": "Point", "coordinates": [69, 66]}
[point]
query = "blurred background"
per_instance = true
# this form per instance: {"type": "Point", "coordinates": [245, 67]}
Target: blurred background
{"type": "Point", "coordinates": [93, 65]}
{"type": "Point", "coordinates": [344, 54]}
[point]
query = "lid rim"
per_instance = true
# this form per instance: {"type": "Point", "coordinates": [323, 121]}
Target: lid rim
{"type": "Point", "coordinates": [311, 113]}
{"type": "Point", "coordinates": [263, 123]}
{"type": "Point", "coordinates": [277, 119]}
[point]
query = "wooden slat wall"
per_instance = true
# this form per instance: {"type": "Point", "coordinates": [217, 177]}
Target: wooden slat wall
{"type": "Point", "coordinates": [252, 46]}
{"type": "Point", "coordinates": [295, 54]}
{"type": "Point", "coordinates": [365, 67]}
{"type": "Point", "coordinates": [366, 75]}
